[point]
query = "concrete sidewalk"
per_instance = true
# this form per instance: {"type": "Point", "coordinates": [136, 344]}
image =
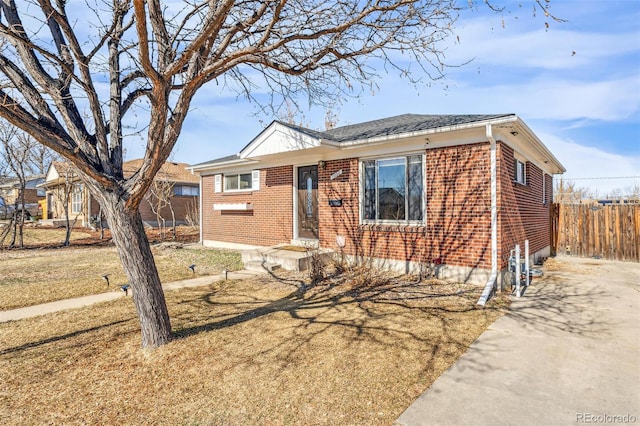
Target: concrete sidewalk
{"type": "Point", "coordinates": [78, 302]}
{"type": "Point", "coordinates": [567, 353]}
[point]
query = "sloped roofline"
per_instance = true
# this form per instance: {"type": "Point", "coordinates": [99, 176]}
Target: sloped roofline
{"type": "Point", "coordinates": [385, 130]}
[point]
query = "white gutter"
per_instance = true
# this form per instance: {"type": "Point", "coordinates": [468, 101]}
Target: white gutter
{"type": "Point", "coordinates": [494, 221]}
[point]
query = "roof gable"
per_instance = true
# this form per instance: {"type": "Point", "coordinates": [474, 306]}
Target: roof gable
{"type": "Point", "coordinates": [170, 171]}
{"type": "Point", "coordinates": [55, 168]}
{"type": "Point", "coordinates": [281, 137]}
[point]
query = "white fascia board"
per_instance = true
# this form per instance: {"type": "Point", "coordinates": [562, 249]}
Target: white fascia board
{"type": "Point", "coordinates": [277, 139]}
{"type": "Point", "coordinates": [547, 157]}
{"type": "Point", "coordinates": [215, 167]}
{"type": "Point", "coordinates": [528, 147]}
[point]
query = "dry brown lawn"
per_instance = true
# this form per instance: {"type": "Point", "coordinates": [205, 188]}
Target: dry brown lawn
{"type": "Point", "coordinates": [40, 275]}
{"type": "Point", "coordinates": [261, 351]}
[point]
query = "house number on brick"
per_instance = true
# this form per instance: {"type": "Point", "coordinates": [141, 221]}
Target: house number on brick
{"type": "Point", "coordinates": [336, 174]}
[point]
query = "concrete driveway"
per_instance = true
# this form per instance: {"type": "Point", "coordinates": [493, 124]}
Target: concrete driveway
{"type": "Point", "coordinates": [567, 353]}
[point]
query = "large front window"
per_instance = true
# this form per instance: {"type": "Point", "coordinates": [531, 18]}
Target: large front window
{"type": "Point", "coordinates": [393, 189]}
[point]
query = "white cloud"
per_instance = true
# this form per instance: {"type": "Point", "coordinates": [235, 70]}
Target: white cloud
{"type": "Point", "coordinates": [553, 99]}
{"type": "Point", "coordinates": [562, 99]}
{"type": "Point", "coordinates": [589, 166]}
{"type": "Point", "coordinates": [553, 49]}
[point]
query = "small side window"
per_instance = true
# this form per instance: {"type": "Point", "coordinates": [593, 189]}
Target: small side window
{"type": "Point", "coordinates": [520, 172]}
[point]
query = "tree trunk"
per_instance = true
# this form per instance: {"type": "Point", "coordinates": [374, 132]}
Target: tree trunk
{"type": "Point", "coordinates": [23, 212]}
{"type": "Point", "coordinates": [173, 222]}
{"type": "Point", "coordinates": [67, 221]}
{"type": "Point", "coordinates": [101, 224]}
{"type": "Point", "coordinates": [14, 229]}
{"type": "Point", "coordinates": [128, 234]}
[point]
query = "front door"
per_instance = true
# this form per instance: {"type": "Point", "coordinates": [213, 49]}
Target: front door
{"type": "Point", "coordinates": [308, 202]}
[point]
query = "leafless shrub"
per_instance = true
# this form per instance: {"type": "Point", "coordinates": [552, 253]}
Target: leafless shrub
{"type": "Point", "coordinates": [192, 215]}
{"type": "Point", "coordinates": [317, 266]}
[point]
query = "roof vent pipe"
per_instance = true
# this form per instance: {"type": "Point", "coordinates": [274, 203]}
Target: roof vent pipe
{"type": "Point", "coordinates": [491, 283]}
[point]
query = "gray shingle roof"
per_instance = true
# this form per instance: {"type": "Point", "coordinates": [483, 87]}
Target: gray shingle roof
{"type": "Point", "coordinates": [405, 123]}
{"type": "Point", "coordinates": [218, 160]}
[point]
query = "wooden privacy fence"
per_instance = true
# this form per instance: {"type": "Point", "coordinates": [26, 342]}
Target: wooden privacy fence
{"type": "Point", "coordinates": [610, 232]}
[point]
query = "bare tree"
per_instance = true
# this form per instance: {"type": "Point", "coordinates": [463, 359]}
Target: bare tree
{"type": "Point", "coordinates": [569, 193]}
{"type": "Point", "coordinates": [159, 197]}
{"type": "Point", "coordinates": [155, 57]}
{"type": "Point", "coordinates": [65, 194]}
{"type": "Point", "coordinates": [17, 148]}
{"type": "Point", "coordinates": [40, 159]}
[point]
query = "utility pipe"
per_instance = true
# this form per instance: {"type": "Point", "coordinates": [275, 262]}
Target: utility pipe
{"type": "Point", "coordinates": [526, 263]}
{"type": "Point", "coordinates": [518, 271]}
{"type": "Point", "coordinates": [491, 283]}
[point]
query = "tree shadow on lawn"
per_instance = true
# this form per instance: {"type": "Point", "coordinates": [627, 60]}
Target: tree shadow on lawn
{"type": "Point", "coordinates": [63, 337]}
{"type": "Point", "coordinates": [388, 313]}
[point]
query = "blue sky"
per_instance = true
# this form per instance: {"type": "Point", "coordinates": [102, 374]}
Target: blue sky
{"type": "Point", "coordinates": [576, 84]}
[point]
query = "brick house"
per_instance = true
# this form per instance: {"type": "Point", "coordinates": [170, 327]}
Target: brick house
{"type": "Point", "coordinates": [10, 194]}
{"type": "Point", "coordinates": [10, 189]}
{"type": "Point", "coordinates": [82, 207]}
{"type": "Point", "coordinates": [403, 190]}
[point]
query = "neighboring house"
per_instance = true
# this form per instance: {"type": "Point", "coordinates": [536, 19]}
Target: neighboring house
{"type": "Point", "coordinates": [84, 209]}
{"type": "Point", "coordinates": [10, 194]}
{"type": "Point", "coordinates": [405, 191]}
{"type": "Point", "coordinates": [10, 189]}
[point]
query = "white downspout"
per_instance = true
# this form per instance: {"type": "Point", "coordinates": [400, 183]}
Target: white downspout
{"type": "Point", "coordinates": [491, 283]}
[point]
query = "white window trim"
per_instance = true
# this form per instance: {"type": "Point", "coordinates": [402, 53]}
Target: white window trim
{"type": "Point", "coordinates": [361, 182]}
{"type": "Point", "coordinates": [233, 191]}
{"type": "Point", "coordinates": [77, 191]}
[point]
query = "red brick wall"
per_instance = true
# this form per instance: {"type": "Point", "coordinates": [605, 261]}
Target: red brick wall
{"type": "Point", "coordinates": [522, 213]}
{"type": "Point", "coordinates": [271, 220]}
{"type": "Point", "coordinates": [180, 204]}
{"type": "Point", "coordinates": [458, 211]}
{"type": "Point", "coordinates": [459, 205]}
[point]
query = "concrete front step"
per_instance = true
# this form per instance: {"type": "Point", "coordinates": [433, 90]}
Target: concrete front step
{"type": "Point", "coordinates": [291, 260]}
{"type": "Point", "coordinates": [260, 266]}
